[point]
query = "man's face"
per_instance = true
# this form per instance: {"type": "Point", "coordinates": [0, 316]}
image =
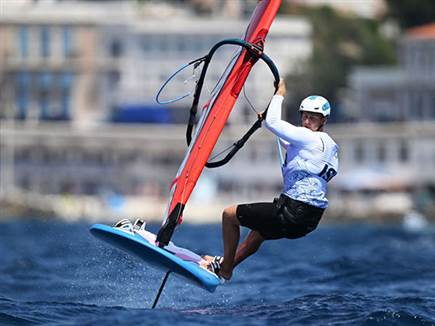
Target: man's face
{"type": "Point", "coordinates": [312, 120]}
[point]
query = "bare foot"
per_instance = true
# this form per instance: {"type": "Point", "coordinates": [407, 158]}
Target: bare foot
{"type": "Point", "coordinates": [225, 272]}
{"type": "Point", "coordinates": [207, 258]}
{"type": "Point", "coordinates": [226, 276]}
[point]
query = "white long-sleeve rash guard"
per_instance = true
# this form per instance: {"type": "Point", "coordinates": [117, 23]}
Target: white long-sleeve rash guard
{"type": "Point", "coordinates": [311, 158]}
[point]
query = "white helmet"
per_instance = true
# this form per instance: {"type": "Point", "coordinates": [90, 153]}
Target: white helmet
{"type": "Point", "coordinates": [316, 104]}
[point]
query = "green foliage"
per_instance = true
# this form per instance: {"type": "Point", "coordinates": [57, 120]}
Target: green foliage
{"type": "Point", "coordinates": [339, 43]}
{"type": "Point", "coordinates": [410, 13]}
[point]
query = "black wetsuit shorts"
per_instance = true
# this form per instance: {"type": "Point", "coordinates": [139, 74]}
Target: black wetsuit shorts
{"type": "Point", "coordinates": [283, 218]}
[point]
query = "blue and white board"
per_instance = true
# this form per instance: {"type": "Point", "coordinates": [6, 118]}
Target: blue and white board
{"type": "Point", "coordinates": [160, 258]}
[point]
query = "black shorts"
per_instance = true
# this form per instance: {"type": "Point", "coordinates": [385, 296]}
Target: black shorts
{"type": "Point", "coordinates": [284, 218]}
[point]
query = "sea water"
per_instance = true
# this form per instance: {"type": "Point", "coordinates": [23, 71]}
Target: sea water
{"type": "Point", "coordinates": [54, 272]}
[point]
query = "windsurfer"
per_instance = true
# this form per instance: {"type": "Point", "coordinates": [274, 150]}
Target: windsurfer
{"type": "Point", "coordinates": [311, 161]}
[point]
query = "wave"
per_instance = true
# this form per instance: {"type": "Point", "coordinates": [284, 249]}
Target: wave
{"type": "Point", "coordinates": [335, 309]}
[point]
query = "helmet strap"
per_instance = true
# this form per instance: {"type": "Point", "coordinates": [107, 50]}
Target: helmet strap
{"type": "Point", "coordinates": [323, 124]}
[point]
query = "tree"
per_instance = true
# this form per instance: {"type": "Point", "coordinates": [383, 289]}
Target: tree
{"type": "Point", "coordinates": [410, 13]}
{"type": "Point", "coordinates": [339, 43]}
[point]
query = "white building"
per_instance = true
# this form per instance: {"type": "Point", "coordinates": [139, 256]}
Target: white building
{"type": "Point", "coordinates": [81, 61]}
{"type": "Point", "coordinates": [402, 93]}
{"type": "Point", "coordinates": [76, 61]}
{"type": "Point", "coordinates": [158, 48]}
{"type": "Point", "coordinates": [56, 59]}
{"type": "Point", "coordinates": [392, 146]}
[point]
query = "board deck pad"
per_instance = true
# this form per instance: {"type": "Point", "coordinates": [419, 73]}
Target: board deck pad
{"type": "Point", "coordinates": [162, 259]}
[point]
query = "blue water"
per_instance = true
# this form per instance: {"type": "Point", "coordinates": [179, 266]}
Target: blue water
{"type": "Point", "coordinates": [56, 273]}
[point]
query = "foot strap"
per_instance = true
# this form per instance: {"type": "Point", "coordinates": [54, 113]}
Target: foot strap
{"type": "Point", "coordinates": [215, 265]}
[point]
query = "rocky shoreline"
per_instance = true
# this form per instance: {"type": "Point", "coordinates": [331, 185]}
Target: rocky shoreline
{"type": "Point", "coordinates": [391, 208]}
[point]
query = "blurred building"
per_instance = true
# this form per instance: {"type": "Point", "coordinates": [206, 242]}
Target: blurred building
{"type": "Point", "coordinates": [403, 93]}
{"type": "Point", "coordinates": [366, 8]}
{"type": "Point", "coordinates": [109, 170]}
{"type": "Point", "coordinates": [86, 63]}
{"type": "Point", "coordinates": [157, 49]}
{"type": "Point", "coordinates": [392, 110]}
{"type": "Point", "coordinates": [67, 68]}
{"type": "Point", "coordinates": [385, 156]}
{"type": "Point", "coordinates": [56, 60]}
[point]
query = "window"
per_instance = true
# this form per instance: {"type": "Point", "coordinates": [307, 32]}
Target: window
{"type": "Point", "coordinates": [24, 182]}
{"type": "Point", "coordinates": [416, 105]}
{"type": "Point", "coordinates": [182, 44]}
{"type": "Point", "coordinates": [45, 80]}
{"type": "Point", "coordinates": [23, 80]}
{"type": "Point", "coordinates": [432, 106]}
{"type": "Point", "coordinates": [45, 41]}
{"type": "Point", "coordinates": [43, 105]}
{"type": "Point", "coordinates": [67, 38]}
{"type": "Point", "coordinates": [163, 42]}
{"type": "Point", "coordinates": [65, 103]}
{"type": "Point", "coordinates": [23, 40]}
{"type": "Point", "coordinates": [114, 77]}
{"type": "Point", "coordinates": [116, 49]}
{"type": "Point", "coordinates": [381, 152]}
{"type": "Point", "coordinates": [195, 43]}
{"type": "Point", "coordinates": [67, 79]}
{"type": "Point", "coordinates": [146, 43]}
{"type": "Point", "coordinates": [44, 83]}
{"type": "Point", "coordinates": [358, 152]}
{"type": "Point", "coordinates": [403, 152]}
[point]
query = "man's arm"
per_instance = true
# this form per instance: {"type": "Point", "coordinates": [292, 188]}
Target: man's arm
{"type": "Point", "coordinates": [298, 136]}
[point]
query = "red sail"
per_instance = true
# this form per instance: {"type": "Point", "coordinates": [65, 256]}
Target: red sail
{"type": "Point", "coordinates": [215, 116]}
